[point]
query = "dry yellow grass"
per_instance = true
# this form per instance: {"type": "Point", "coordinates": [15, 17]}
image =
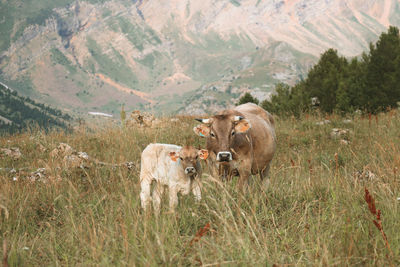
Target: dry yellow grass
{"type": "Point", "coordinates": [313, 213]}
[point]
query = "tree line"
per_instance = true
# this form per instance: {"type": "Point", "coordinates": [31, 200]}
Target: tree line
{"type": "Point", "coordinates": [23, 113]}
{"type": "Point", "coordinates": [370, 83]}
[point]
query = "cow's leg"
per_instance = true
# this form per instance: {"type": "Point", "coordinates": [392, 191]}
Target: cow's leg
{"type": "Point", "coordinates": [145, 193]}
{"type": "Point", "coordinates": [196, 190]}
{"type": "Point", "coordinates": [157, 195]}
{"type": "Point", "coordinates": [264, 175]}
{"type": "Point", "coordinates": [173, 198]}
{"type": "Point", "coordinates": [244, 179]}
{"type": "Point", "coordinates": [244, 174]}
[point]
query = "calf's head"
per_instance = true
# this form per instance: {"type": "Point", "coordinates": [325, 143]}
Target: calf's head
{"type": "Point", "coordinates": [189, 159]}
{"type": "Point", "coordinates": [223, 133]}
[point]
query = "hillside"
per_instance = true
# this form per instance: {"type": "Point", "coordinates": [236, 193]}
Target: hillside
{"type": "Point", "coordinates": [313, 213]}
{"type": "Point", "coordinates": [99, 54]}
{"type": "Point", "coordinates": [19, 113]}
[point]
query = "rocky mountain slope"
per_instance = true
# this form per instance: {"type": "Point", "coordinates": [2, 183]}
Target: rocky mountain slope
{"type": "Point", "coordinates": [174, 56]}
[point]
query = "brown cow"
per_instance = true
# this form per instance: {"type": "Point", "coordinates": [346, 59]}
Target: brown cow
{"type": "Point", "coordinates": [240, 141]}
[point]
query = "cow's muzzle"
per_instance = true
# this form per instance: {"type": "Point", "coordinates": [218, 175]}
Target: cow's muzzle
{"type": "Point", "coordinates": [190, 170]}
{"type": "Point", "coordinates": [224, 156]}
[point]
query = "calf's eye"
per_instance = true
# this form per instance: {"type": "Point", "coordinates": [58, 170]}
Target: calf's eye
{"type": "Point", "coordinates": [212, 134]}
{"type": "Point", "coordinates": [233, 133]}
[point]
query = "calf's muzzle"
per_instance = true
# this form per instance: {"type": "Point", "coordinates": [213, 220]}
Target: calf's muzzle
{"type": "Point", "coordinates": [190, 170]}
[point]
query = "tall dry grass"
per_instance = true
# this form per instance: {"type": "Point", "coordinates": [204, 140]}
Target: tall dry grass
{"type": "Point", "coordinates": [313, 213]}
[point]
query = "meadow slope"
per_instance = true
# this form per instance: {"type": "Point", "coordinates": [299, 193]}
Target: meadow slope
{"type": "Point", "coordinates": [313, 213]}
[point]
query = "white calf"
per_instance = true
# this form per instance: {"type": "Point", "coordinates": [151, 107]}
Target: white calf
{"type": "Point", "coordinates": [173, 166]}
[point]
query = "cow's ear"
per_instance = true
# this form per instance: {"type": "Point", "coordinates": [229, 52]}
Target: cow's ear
{"type": "Point", "coordinates": [242, 125]}
{"type": "Point", "coordinates": [202, 130]}
{"type": "Point", "coordinates": [203, 153]}
{"type": "Point", "coordinates": [174, 156]}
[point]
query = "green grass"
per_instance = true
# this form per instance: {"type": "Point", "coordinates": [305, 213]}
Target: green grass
{"type": "Point", "coordinates": [138, 35]}
{"type": "Point", "coordinates": [84, 96]}
{"type": "Point", "coordinates": [23, 84]}
{"type": "Point", "coordinates": [59, 58]}
{"type": "Point", "coordinates": [116, 68]}
{"type": "Point", "coordinates": [313, 213]}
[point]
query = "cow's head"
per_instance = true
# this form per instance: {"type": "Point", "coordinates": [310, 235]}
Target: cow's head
{"type": "Point", "coordinates": [189, 159]}
{"type": "Point", "coordinates": [223, 133]}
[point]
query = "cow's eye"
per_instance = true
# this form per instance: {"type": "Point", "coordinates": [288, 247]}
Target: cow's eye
{"type": "Point", "coordinates": [212, 134]}
{"type": "Point", "coordinates": [233, 133]}
{"type": "Point", "coordinates": [180, 158]}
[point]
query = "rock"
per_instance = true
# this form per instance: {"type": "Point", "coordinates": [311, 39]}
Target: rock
{"type": "Point", "coordinates": [13, 152]}
{"type": "Point", "coordinates": [344, 142]}
{"type": "Point", "coordinates": [315, 101]}
{"type": "Point", "coordinates": [62, 151]}
{"type": "Point", "coordinates": [323, 122]}
{"type": "Point", "coordinates": [38, 175]}
{"type": "Point", "coordinates": [364, 175]}
{"type": "Point", "coordinates": [338, 133]}
{"type": "Point", "coordinates": [83, 155]}
{"type": "Point", "coordinates": [70, 157]}
{"type": "Point", "coordinates": [142, 120]}
{"type": "Point", "coordinates": [74, 161]}
{"type": "Point", "coordinates": [129, 165]}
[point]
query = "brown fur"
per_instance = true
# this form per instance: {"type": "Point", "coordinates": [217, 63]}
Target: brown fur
{"type": "Point", "coordinates": [252, 150]}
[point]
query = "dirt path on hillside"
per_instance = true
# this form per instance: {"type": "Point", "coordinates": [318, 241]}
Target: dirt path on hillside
{"type": "Point", "coordinates": [125, 89]}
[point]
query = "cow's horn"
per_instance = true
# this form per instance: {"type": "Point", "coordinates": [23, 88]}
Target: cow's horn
{"type": "Point", "coordinates": [203, 120]}
{"type": "Point", "coordinates": [238, 118]}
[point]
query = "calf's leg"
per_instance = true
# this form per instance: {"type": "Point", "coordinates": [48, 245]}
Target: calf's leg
{"type": "Point", "coordinates": [157, 195]}
{"type": "Point", "coordinates": [173, 198]}
{"type": "Point", "coordinates": [196, 190]}
{"type": "Point", "coordinates": [145, 193]}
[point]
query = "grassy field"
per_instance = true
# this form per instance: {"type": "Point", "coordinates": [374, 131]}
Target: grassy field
{"type": "Point", "coordinates": [313, 213]}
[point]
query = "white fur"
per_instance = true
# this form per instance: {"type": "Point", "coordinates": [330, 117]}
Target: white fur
{"type": "Point", "coordinates": [156, 165]}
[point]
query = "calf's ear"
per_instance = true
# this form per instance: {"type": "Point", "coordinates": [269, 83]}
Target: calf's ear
{"type": "Point", "coordinates": [203, 153]}
{"type": "Point", "coordinates": [242, 125]}
{"type": "Point", "coordinates": [202, 130]}
{"type": "Point", "coordinates": [174, 156]}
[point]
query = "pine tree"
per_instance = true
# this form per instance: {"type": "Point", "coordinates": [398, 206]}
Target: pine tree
{"type": "Point", "coordinates": [323, 79]}
{"type": "Point", "coordinates": [248, 98]}
{"type": "Point", "coordinates": [382, 87]}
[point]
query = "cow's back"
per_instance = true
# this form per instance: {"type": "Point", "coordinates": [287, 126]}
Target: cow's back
{"type": "Point", "coordinates": [156, 162]}
{"type": "Point", "coordinates": [253, 109]}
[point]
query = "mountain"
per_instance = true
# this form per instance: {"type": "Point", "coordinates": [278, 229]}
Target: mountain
{"type": "Point", "coordinates": [173, 56]}
{"type": "Point", "coordinates": [19, 113]}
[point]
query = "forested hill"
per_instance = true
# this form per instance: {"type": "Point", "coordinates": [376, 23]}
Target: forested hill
{"type": "Point", "coordinates": [17, 113]}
